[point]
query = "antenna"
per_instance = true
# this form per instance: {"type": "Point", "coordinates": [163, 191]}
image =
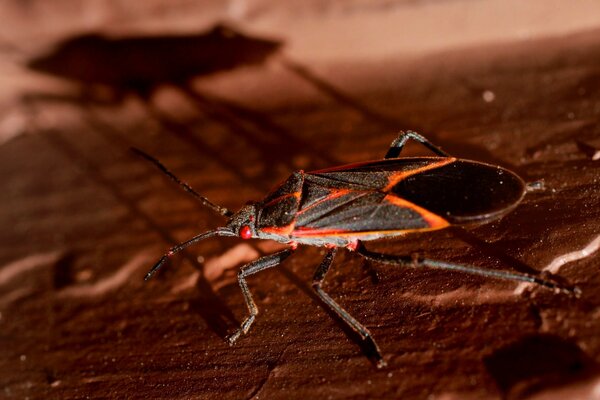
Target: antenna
{"type": "Point", "coordinates": [183, 245]}
{"type": "Point", "coordinates": [221, 210]}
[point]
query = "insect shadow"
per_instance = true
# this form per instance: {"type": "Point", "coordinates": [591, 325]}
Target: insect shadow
{"type": "Point", "coordinates": [140, 65]}
{"type": "Point", "coordinates": [107, 70]}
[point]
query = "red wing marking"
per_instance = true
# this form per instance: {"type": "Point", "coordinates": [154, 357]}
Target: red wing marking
{"type": "Point", "coordinates": [433, 220]}
{"type": "Point", "coordinates": [325, 233]}
{"type": "Point", "coordinates": [398, 176]}
{"type": "Point", "coordinates": [285, 196]}
{"type": "Point", "coordinates": [334, 194]}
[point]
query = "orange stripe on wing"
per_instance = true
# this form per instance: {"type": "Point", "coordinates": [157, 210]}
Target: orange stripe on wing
{"type": "Point", "coordinates": [333, 194]}
{"type": "Point", "coordinates": [398, 176]}
{"type": "Point", "coordinates": [433, 220]}
{"type": "Point", "coordinates": [285, 196]}
{"type": "Point", "coordinates": [325, 233]}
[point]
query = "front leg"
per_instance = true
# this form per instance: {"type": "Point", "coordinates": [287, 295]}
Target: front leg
{"type": "Point", "coordinates": [398, 144]}
{"type": "Point", "coordinates": [262, 263]}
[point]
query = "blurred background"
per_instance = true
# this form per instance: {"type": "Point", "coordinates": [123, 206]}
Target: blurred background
{"type": "Point", "coordinates": [235, 95]}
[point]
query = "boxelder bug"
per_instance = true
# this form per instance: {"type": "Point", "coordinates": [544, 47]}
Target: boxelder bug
{"type": "Point", "coordinates": [344, 206]}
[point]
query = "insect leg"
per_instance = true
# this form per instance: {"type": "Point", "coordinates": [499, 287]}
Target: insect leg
{"type": "Point", "coordinates": [364, 333]}
{"type": "Point", "coordinates": [400, 141]}
{"type": "Point", "coordinates": [262, 263]}
{"type": "Point", "coordinates": [409, 261]}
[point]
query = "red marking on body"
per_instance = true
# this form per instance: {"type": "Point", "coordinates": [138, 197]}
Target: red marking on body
{"type": "Point", "coordinates": [280, 198]}
{"type": "Point", "coordinates": [307, 232]}
{"type": "Point", "coordinates": [352, 245]}
{"type": "Point", "coordinates": [433, 220]}
{"type": "Point", "coordinates": [279, 230]}
{"type": "Point", "coordinates": [396, 177]}
{"type": "Point", "coordinates": [333, 194]}
{"type": "Point", "coordinates": [245, 232]}
{"type": "Point", "coordinates": [293, 245]}
{"type": "Point", "coordinates": [330, 245]}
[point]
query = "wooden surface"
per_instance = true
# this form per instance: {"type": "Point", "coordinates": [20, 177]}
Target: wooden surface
{"type": "Point", "coordinates": [83, 219]}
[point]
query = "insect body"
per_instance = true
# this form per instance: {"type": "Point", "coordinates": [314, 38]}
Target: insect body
{"type": "Point", "coordinates": [345, 206]}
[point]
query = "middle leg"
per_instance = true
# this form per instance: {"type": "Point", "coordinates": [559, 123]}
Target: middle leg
{"type": "Point", "coordinates": [364, 333]}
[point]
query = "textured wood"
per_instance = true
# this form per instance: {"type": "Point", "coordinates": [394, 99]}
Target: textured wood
{"type": "Point", "coordinates": [83, 219]}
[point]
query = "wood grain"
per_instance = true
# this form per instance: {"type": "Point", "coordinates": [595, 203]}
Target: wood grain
{"type": "Point", "coordinates": [83, 219]}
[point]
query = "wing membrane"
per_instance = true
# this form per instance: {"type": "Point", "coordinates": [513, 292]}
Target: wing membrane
{"type": "Point", "coordinates": [463, 191]}
{"type": "Point", "coordinates": [326, 207]}
{"type": "Point", "coordinates": [373, 175]}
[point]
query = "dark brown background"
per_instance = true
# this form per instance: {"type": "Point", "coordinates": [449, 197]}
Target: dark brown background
{"type": "Point", "coordinates": [83, 219]}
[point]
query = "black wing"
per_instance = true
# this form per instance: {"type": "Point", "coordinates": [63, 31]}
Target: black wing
{"type": "Point", "coordinates": [373, 175]}
{"type": "Point", "coordinates": [406, 194]}
{"type": "Point", "coordinates": [463, 191]}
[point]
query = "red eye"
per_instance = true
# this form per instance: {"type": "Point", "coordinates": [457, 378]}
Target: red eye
{"type": "Point", "coordinates": [245, 232]}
